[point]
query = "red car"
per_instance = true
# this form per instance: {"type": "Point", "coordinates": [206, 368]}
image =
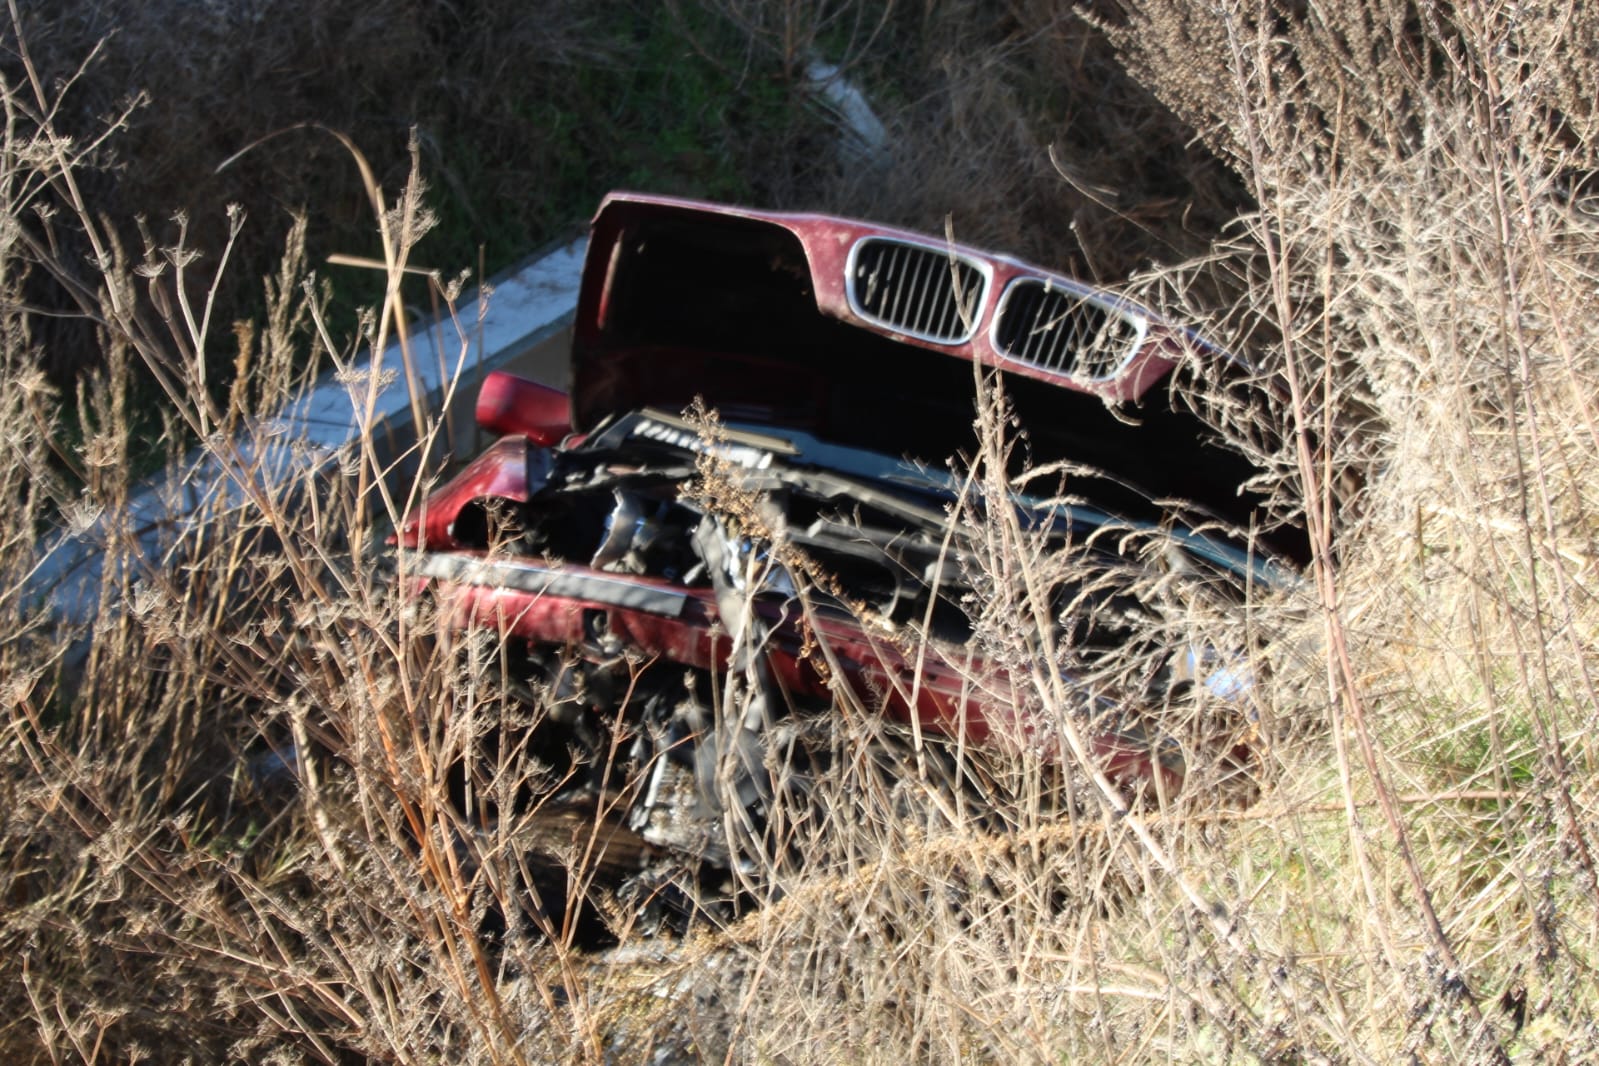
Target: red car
{"type": "Point", "coordinates": [838, 359]}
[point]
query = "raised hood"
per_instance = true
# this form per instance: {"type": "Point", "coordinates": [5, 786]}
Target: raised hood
{"type": "Point", "coordinates": [868, 336]}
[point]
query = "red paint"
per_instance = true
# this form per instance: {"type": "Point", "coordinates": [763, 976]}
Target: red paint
{"type": "Point", "coordinates": [827, 241]}
{"type": "Point", "coordinates": [508, 405]}
{"type": "Point", "coordinates": [969, 697]}
{"type": "Point", "coordinates": [500, 473]}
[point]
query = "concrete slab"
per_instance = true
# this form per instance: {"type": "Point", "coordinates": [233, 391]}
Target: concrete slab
{"type": "Point", "coordinates": [521, 319]}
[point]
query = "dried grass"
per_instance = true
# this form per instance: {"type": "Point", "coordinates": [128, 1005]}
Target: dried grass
{"type": "Point", "coordinates": [1415, 880]}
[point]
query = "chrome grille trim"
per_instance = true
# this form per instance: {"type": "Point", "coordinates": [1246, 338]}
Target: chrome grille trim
{"type": "Point", "coordinates": [922, 290]}
{"type": "Point", "coordinates": [1060, 327]}
{"type": "Point", "coordinates": [571, 583]}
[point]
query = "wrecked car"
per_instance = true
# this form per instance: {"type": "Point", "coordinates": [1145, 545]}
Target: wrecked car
{"type": "Point", "coordinates": [744, 507]}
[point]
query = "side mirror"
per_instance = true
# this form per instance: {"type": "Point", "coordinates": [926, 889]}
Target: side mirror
{"type": "Point", "coordinates": [509, 404]}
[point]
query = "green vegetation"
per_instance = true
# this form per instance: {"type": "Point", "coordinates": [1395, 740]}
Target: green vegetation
{"type": "Point", "coordinates": [1388, 206]}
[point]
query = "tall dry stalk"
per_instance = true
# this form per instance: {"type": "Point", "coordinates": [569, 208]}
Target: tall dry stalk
{"type": "Point", "coordinates": [234, 824]}
{"type": "Point", "coordinates": [1422, 228]}
{"type": "Point", "coordinates": [1414, 880]}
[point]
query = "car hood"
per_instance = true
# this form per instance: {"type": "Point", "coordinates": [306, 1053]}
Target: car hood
{"type": "Point", "coordinates": [827, 327]}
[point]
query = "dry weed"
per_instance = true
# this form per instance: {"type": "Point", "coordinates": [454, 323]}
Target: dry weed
{"type": "Point", "coordinates": [239, 831]}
